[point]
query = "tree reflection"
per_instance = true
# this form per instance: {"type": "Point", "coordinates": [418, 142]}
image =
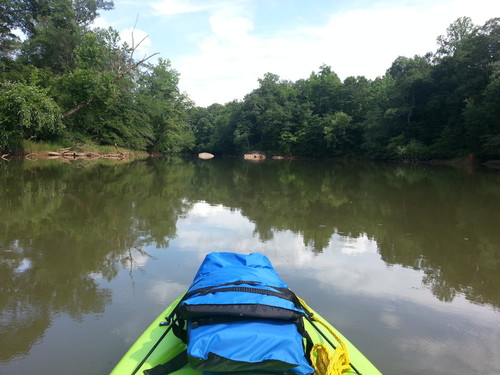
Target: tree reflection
{"type": "Point", "coordinates": [439, 220]}
{"type": "Point", "coordinates": [61, 224]}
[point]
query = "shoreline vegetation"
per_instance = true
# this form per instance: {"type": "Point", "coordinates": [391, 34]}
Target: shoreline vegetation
{"type": "Point", "coordinates": [65, 83]}
{"type": "Point", "coordinates": [91, 153]}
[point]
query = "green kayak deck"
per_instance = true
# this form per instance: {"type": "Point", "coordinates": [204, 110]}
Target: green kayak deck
{"type": "Point", "coordinates": [170, 346]}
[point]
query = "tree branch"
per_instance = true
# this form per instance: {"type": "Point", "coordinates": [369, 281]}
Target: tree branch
{"type": "Point", "coordinates": [118, 75]}
{"type": "Point", "coordinates": [133, 41]}
{"type": "Point", "coordinates": [77, 108]}
{"type": "Point", "coordinates": [134, 66]}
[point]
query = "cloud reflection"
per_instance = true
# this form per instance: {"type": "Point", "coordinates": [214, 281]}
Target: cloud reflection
{"type": "Point", "coordinates": [348, 282]}
{"type": "Point", "coordinates": [162, 291]}
{"type": "Point", "coordinates": [209, 228]}
{"type": "Point", "coordinates": [348, 265]}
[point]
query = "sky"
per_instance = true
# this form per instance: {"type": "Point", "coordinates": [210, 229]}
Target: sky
{"type": "Point", "coordinates": [222, 47]}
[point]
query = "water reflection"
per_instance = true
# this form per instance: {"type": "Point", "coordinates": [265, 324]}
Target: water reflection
{"type": "Point", "coordinates": [61, 225]}
{"type": "Point", "coordinates": [383, 308]}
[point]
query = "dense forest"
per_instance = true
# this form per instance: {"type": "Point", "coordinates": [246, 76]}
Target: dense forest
{"type": "Point", "coordinates": [63, 81]}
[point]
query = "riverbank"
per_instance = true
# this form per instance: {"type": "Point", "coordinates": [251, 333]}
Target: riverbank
{"type": "Point", "coordinates": [37, 151]}
{"type": "Point", "coordinates": [90, 152]}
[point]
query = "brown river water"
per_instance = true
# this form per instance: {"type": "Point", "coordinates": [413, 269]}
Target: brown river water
{"type": "Point", "coordinates": [403, 260]}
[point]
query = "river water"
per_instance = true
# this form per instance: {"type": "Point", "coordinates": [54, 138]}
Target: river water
{"type": "Point", "coordinates": [403, 260]}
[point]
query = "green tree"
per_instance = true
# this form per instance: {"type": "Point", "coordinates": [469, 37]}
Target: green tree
{"type": "Point", "coordinates": [222, 140]}
{"type": "Point", "coordinates": [405, 119]}
{"type": "Point", "coordinates": [323, 91]}
{"type": "Point", "coordinates": [9, 41]}
{"type": "Point", "coordinates": [376, 131]}
{"type": "Point", "coordinates": [335, 129]}
{"type": "Point", "coordinates": [62, 13]}
{"type": "Point", "coordinates": [410, 77]}
{"type": "Point", "coordinates": [253, 125]}
{"type": "Point", "coordinates": [271, 117]}
{"type": "Point", "coordinates": [93, 86]}
{"type": "Point", "coordinates": [455, 34]}
{"type": "Point", "coordinates": [214, 127]}
{"type": "Point", "coordinates": [463, 85]}
{"type": "Point", "coordinates": [54, 29]}
{"type": "Point", "coordinates": [166, 108]}
{"type": "Point", "coordinates": [355, 96]}
{"type": "Point", "coordinates": [26, 112]}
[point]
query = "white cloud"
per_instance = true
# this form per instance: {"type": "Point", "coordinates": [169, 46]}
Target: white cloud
{"type": "Point", "coordinates": [100, 22]}
{"type": "Point", "coordinates": [233, 29]}
{"type": "Point", "coordinates": [137, 39]}
{"type": "Point", "coordinates": [356, 42]}
{"type": "Point", "coordinates": [367, 41]}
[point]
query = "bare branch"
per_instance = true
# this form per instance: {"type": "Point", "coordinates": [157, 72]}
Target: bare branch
{"type": "Point", "coordinates": [77, 108]}
{"type": "Point", "coordinates": [133, 42]}
{"type": "Point", "coordinates": [134, 66]}
{"type": "Point", "coordinates": [142, 40]}
{"type": "Point", "coordinates": [116, 68]}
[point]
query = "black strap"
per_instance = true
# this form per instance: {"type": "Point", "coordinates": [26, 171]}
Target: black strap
{"type": "Point", "coordinates": [172, 365]}
{"type": "Point", "coordinates": [266, 292]}
{"type": "Point", "coordinates": [170, 319]}
{"type": "Point", "coordinates": [209, 289]}
{"type": "Point", "coordinates": [308, 344]}
{"type": "Point", "coordinates": [179, 328]}
{"type": "Point", "coordinates": [284, 293]}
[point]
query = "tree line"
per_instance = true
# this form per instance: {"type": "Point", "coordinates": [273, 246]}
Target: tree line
{"type": "Point", "coordinates": [64, 81]}
{"type": "Point", "coordinates": [441, 105]}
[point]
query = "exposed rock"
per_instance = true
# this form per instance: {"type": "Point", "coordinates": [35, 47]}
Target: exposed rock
{"type": "Point", "coordinates": [205, 155]}
{"type": "Point", "coordinates": [254, 155]}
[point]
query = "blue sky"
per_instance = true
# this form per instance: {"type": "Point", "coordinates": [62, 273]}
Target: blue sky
{"type": "Point", "coordinates": [221, 47]}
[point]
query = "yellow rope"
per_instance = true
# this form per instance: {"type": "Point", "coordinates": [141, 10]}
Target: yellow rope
{"type": "Point", "coordinates": [323, 361]}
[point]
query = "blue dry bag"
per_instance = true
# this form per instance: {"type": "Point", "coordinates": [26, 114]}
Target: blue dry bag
{"type": "Point", "coordinates": [241, 317]}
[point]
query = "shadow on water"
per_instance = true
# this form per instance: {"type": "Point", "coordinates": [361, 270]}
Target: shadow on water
{"type": "Point", "coordinates": [60, 224]}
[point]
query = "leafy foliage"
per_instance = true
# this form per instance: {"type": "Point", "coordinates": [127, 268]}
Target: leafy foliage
{"type": "Point", "coordinates": [438, 106]}
{"type": "Point", "coordinates": [66, 73]}
{"type": "Point", "coordinates": [160, 99]}
{"type": "Point", "coordinates": [26, 112]}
